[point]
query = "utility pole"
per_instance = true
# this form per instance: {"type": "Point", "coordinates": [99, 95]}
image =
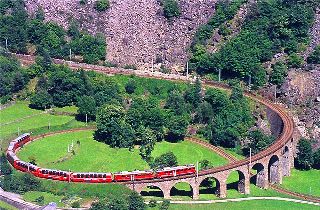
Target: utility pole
{"type": "Point", "coordinates": [49, 126]}
{"type": "Point", "coordinates": [219, 77]}
{"type": "Point", "coordinates": [86, 119]}
{"type": "Point", "coordinates": [197, 169]}
{"type": "Point", "coordinates": [250, 159]}
{"type": "Point", "coordinates": [249, 82]}
{"type": "Point", "coordinates": [275, 93]}
{"type": "Point", "coordinates": [187, 70]}
{"type": "Point", "coordinates": [6, 44]}
{"type": "Point", "coordinates": [70, 54]}
{"type": "Point", "coordinates": [152, 65]}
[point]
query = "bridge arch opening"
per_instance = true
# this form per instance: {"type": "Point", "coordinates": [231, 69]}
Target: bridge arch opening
{"type": "Point", "coordinates": [285, 162]}
{"type": "Point", "coordinates": [259, 175]}
{"type": "Point", "coordinates": [236, 182]}
{"type": "Point", "coordinates": [209, 186]}
{"type": "Point", "coordinates": [274, 170]}
{"type": "Point", "coordinates": [152, 191]}
{"type": "Point", "coordinates": [182, 190]}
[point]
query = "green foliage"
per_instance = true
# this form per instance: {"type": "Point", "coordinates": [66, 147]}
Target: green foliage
{"type": "Point", "coordinates": [314, 57]}
{"type": "Point", "coordinates": [5, 168]}
{"type": "Point", "coordinates": [102, 5]}
{"type": "Point", "coordinates": [136, 202]}
{"type": "Point", "coordinates": [39, 200]}
{"type": "Point", "coordinates": [165, 205]}
{"type": "Point", "coordinates": [171, 8]}
{"type": "Point", "coordinates": [193, 94]}
{"type": "Point", "coordinates": [41, 100]}
{"type": "Point", "coordinates": [131, 86]}
{"type": "Point", "coordinates": [177, 128]}
{"type": "Point", "coordinates": [152, 203]}
{"type": "Point", "coordinates": [112, 127]}
{"type": "Point", "coordinates": [165, 160]}
{"type": "Point", "coordinates": [86, 106]}
{"type": "Point", "coordinates": [130, 66]}
{"type": "Point", "coordinates": [83, 2]}
{"type": "Point", "coordinates": [147, 139]}
{"type": "Point", "coordinates": [279, 72]}
{"type": "Point", "coordinates": [205, 164]}
{"type": "Point", "coordinates": [75, 204]}
{"type": "Point", "coordinates": [257, 141]}
{"type": "Point", "coordinates": [304, 159]}
{"type": "Point", "coordinates": [20, 183]}
{"type": "Point", "coordinates": [295, 61]}
{"type": "Point", "coordinates": [316, 159]}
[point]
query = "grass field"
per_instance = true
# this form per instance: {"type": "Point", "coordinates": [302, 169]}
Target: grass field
{"type": "Point", "coordinates": [5, 206]}
{"type": "Point", "coordinates": [306, 182]}
{"type": "Point", "coordinates": [31, 196]}
{"type": "Point", "coordinates": [246, 205]}
{"type": "Point", "coordinates": [91, 155]}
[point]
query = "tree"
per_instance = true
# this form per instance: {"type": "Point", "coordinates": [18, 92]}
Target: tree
{"type": "Point", "coordinates": [204, 113]}
{"type": "Point", "coordinates": [171, 8]}
{"type": "Point", "coordinates": [176, 103]}
{"type": "Point", "coordinates": [193, 94]}
{"type": "Point", "coordinates": [102, 5]}
{"type": "Point", "coordinates": [5, 168]}
{"type": "Point", "coordinates": [86, 106]}
{"type": "Point", "coordinates": [314, 57]}
{"type": "Point", "coordinates": [131, 86]}
{"type": "Point", "coordinates": [177, 128]}
{"type": "Point", "coordinates": [147, 139]}
{"type": "Point", "coordinates": [304, 159]}
{"type": "Point", "coordinates": [316, 159]}
{"type": "Point", "coordinates": [165, 160]}
{"type": "Point", "coordinates": [112, 127]}
{"type": "Point", "coordinates": [136, 202]}
{"type": "Point", "coordinates": [295, 61]}
{"type": "Point", "coordinates": [279, 73]}
{"type": "Point", "coordinates": [205, 164]}
{"type": "Point", "coordinates": [258, 141]}
{"type": "Point", "coordinates": [41, 100]}
{"type": "Point", "coordinates": [165, 205]}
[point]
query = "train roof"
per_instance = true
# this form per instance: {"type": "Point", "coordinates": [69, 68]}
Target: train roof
{"type": "Point", "coordinates": [133, 172]}
{"type": "Point", "coordinates": [13, 155]}
{"type": "Point", "coordinates": [91, 173]}
{"type": "Point", "coordinates": [54, 170]}
{"type": "Point", "coordinates": [176, 168]}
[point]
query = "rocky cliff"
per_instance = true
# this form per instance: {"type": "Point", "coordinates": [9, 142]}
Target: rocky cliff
{"type": "Point", "coordinates": [136, 30]}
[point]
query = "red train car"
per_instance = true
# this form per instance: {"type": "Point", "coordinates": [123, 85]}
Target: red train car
{"type": "Point", "coordinates": [12, 158]}
{"type": "Point", "coordinates": [23, 139]}
{"type": "Point", "coordinates": [175, 171]}
{"type": "Point", "coordinates": [132, 176]}
{"type": "Point", "coordinates": [54, 174]}
{"type": "Point", "coordinates": [91, 177]}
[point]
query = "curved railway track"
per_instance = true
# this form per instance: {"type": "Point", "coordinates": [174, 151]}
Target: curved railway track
{"type": "Point", "coordinates": [285, 136]}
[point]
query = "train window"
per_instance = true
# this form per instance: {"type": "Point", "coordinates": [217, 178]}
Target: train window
{"type": "Point", "coordinates": [82, 175]}
{"type": "Point", "coordinates": [87, 175]}
{"type": "Point", "coordinates": [104, 176]}
{"type": "Point", "coordinates": [100, 176]}
{"type": "Point", "coordinates": [95, 175]}
{"type": "Point", "coordinates": [91, 175]}
{"type": "Point", "coordinates": [78, 175]}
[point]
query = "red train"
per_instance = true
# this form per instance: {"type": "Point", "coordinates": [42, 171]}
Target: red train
{"type": "Point", "coordinates": [59, 175]}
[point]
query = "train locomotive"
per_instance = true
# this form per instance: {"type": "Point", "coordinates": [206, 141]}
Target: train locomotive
{"type": "Point", "coordinates": [89, 177]}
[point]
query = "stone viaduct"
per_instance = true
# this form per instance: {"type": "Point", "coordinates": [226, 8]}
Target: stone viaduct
{"type": "Point", "coordinates": [269, 165]}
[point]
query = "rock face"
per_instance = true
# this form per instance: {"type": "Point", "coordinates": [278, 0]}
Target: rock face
{"type": "Point", "coordinates": [136, 30]}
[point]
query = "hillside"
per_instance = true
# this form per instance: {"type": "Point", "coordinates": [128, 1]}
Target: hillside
{"type": "Point", "coordinates": [136, 30]}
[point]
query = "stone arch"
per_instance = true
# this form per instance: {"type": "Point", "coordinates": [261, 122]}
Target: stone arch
{"type": "Point", "coordinates": [241, 183]}
{"type": "Point", "coordinates": [182, 190]}
{"type": "Point", "coordinates": [152, 190]}
{"type": "Point", "coordinates": [210, 185]}
{"type": "Point", "coordinates": [260, 178]}
{"type": "Point", "coordinates": [274, 170]}
{"type": "Point", "coordinates": [286, 161]}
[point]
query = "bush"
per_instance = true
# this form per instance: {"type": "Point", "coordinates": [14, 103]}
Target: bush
{"type": "Point", "coordinates": [304, 159]}
{"type": "Point", "coordinates": [75, 204]}
{"type": "Point", "coordinates": [279, 73]}
{"type": "Point", "coordinates": [295, 61]}
{"type": "Point", "coordinates": [40, 200]}
{"type": "Point", "coordinates": [102, 5]}
{"type": "Point", "coordinates": [171, 8]}
{"type": "Point", "coordinates": [316, 159]}
{"type": "Point", "coordinates": [165, 160]}
{"type": "Point", "coordinates": [131, 86]}
{"type": "Point", "coordinates": [165, 205]}
{"type": "Point", "coordinates": [152, 203]}
{"type": "Point", "coordinates": [314, 57]}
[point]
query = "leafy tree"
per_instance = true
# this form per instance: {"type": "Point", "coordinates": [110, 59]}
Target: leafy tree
{"type": "Point", "coordinates": [204, 113]}
{"type": "Point", "coordinates": [258, 141]}
{"type": "Point", "coordinates": [102, 5]}
{"type": "Point", "coordinates": [314, 57]}
{"type": "Point", "coordinates": [147, 139]}
{"type": "Point", "coordinates": [171, 8]}
{"type": "Point", "coordinates": [205, 164]}
{"type": "Point", "coordinates": [279, 72]}
{"type": "Point", "coordinates": [165, 160]}
{"type": "Point", "coordinates": [304, 159]}
{"type": "Point", "coordinates": [176, 103]}
{"type": "Point", "coordinates": [86, 106]}
{"type": "Point", "coordinates": [193, 94]}
{"type": "Point", "coordinates": [177, 128]}
{"type": "Point", "coordinates": [112, 127]}
{"type": "Point", "coordinates": [136, 202]}
{"type": "Point", "coordinates": [131, 86]}
{"type": "Point", "coordinates": [5, 168]}
{"type": "Point", "coordinates": [316, 158]}
{"type": "Point", "coordinates": [41, 100]}
{"type": "Point", "coordinates": [295, 61]}
{"type": "Point", "coordinates": [165, 205]}
{"type": "Point", "coordinates": [73, 29]}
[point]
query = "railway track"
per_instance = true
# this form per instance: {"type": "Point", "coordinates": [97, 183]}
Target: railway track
{"type": "Point", "coordinates": [285, 136]}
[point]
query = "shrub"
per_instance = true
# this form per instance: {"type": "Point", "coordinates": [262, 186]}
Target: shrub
{"type": "Point", "coordinates": [83, 2]}
{"type": "Point", "coordinates": [75, 204]}
{"type": "Point", "coordinates": [295, 61]}
{"type": "Point", "coordinates": [314, 57]}
{"type": "Point", "coordinates": [304, 159]}
{"type": "Point", "coordinates": [102, 5]}
{"type": "Point", "coordinates": [279, 73]}
{"type": "Point", "coordinates": [165, 205]}
{"type": "Point", "coordinates": [152, 203]}
{"type": "Point", "coordinates": [171, 8]}
{"type": "Point", "coordinates": [131, 86]}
